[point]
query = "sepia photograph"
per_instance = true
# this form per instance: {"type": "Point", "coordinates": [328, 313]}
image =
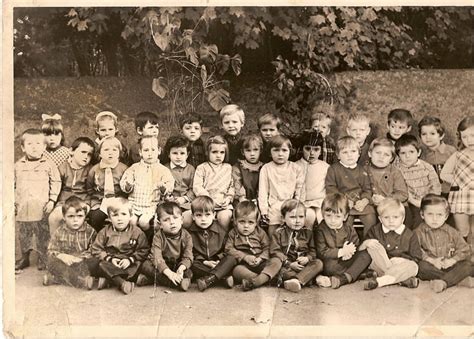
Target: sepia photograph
{"type": "Point", "coordinates": [214, 170]}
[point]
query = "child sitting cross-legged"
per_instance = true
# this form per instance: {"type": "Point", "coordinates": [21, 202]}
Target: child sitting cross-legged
{"type": "Point", "coordinates": [394, 248]}
{"type": "Point", "coordinates": [250, 246]}
{"type": "Point", "coordinates": [121, 247]}
{"type": "Point", "coordinates": [171, 256]}
{"type": "Point", "coordinates": [336, 243]}
{"type": "Point", "coordinates": [210, 263]}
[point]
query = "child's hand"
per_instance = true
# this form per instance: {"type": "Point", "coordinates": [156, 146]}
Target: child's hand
{"type": "Point", "coordinates": [48, 207]}
{"type": "Point", "coordinates": [180, 271]}
{"type": "Point", "coordinates": [116, 262]}
{"type": "Point", "coordinates": [348, 249]}
{"type": "Point", "coordinates": [174, 277]}
{"type": "Point", "coordinates": [303, 260]}
{"type": "Point", "coordinates": [296, 266]}
{"type": "Point", "coordinates": [265, 219]}
{"type": "Point", "coordinates": [447, 263]}
{"type": "Point", "coordinates": [180, 200]}
{"type": "Point", "coordinates": [124, 263]}
{"type": "Point", "coordinates": [128, 186]}
{"type": "Point", "coordinates": [257, 261]}
{"type": "Point", "coordinates": [369, 243]}
{"type": "Point", "coordinates": [250, 259]}
{"type": "Point", "coordinates": [360, 204]}
{"type": "Point", "coordinates": [377, 198]}
{"type": "Point", "coordinates": [351, 203]}
{"type": "Point", "coordinates": [210, 263]}
{"type": "Point", "coordinates": [436, 262]}
{"type": "Point", "coordinates": [68, 259]}
{"type": "Point", "coordinates": [346, 257]}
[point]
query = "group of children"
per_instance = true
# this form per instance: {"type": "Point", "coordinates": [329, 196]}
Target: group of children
{"type": "Point", "coordinates": [251, 209]}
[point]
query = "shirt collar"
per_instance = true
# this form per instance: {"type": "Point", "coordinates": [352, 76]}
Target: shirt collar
{"type": "Point", "coordinates": [251, 167]}
{"type": "Point", "coordinates": [350, 167]}
{"type": "Point", "coordinates": [213, 228]}
{"type": "Point", "coordinates": [399, 230]}
{"type": "Point", "coordinates": [173, 166]}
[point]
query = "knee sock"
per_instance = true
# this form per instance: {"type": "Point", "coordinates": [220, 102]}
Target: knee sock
{"type": "Point", "coordinates": [349, 277]}
{"type": "Point", "coordinates": [260, 279]}
{"type": "Point", "coordinates": [386, 280]}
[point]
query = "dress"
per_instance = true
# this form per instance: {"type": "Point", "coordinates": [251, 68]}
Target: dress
{"type": "Point", "coordinates": [461, 200]}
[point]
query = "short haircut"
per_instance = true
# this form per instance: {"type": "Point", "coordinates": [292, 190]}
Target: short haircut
{"type": "Point", "coordinates": [311, 138]}
{"type": "Point", "coordinates": [252, 139]}
{"type": "Point", "coordinates": [345, 142]}
{"type": "Point", "coordinates": [75, 202]}
{"type": "Point", "coordinates": [112, 140]}
{"type": "Point", "coordinates": [53, 127]}
{"type": "Point", "coordinates": [278, 141]}
{"type": "Point", "coordinates": [117, 203]}
{"type": "Point", "coordinates": [30, 131]}
{"type": "Point", "coordinates": [202, 203]}
{"type": "Point", "coordinates": [143, 117]}
{"type": "Point", "coordinates": [335, 203]}
{"type": "Point", "coordinates": [245, 208]}
{"type": "Point", "coordinates": [232, 109]}
{"type": "Point", "coordinates": [433, 199]}
{"type": "Point", "coordinates": [465, 123]}
{"type": "Point", "coordinates": [291, 204]}
{"type": "Point", "coordinates": [358, 118]}
{"type": "Point", "coordinates": [407, 140]}
{"type": "Point", "coordinates": [176, 141]}
{"type": "Point", "coordinates": [146, 137]}
{"type": "Point", "coordinates": [383, 142]}
{"type": "Point", "coordinates": [431, 121]}
{"type": "Point", "coordinates": [390, 204]}
{"type": "Point", "coordinates": [400, 115]}
{"type": "Point", "coordinates": [269, 119]}
{"type": "Point", "coordinates": [189, 119]}
{"type": "Point", "coordinates": [168, 207]}
{"type": "Point", "coordinates": [105, 115]}
{"type": "Point", "coordinates": [83, 140]}
{"type": "Point", "coordinates": [319, 116]}
{"type": "Point", "coordinates": [217, 140]}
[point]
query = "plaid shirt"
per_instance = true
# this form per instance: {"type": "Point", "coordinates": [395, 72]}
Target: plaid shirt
{"type": "Point", "coordinates": [328, 151]}
{"type": "Point", "coordinates": [58, 156]}
{"type": "Point", "coordinates": [73, 242]}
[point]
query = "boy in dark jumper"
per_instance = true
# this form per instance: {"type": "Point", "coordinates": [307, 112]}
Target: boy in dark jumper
{"type": "Point", "coordinates": [146, 123]}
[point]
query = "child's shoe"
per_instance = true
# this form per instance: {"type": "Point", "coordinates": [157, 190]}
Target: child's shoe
{"type": "Point", "coordinates": [247, 285]}
{"type": "Point", "coordinates": [438, 285]}
{"type": "Point", "coordinates": [127, 287]}
{"type": "Point", "coordinates": [467, 282]}
{"type": "Point", "coordinates": [89, 282]}
{"type": "Point", "coordinates": [142, 280]}
{"type": "Point", "coordinates": [102, 283]}
{"type": "Point", "coordinates": [338, 281]}
{"type": "Point", "coordinates": [49, 279]}
{"type": "Point", "coordinates": [292, 285]}
{"type": "Point", "coordinates": [205, 282]}
{"type": "Point", "coordinates": [411, 282]}
{"type": "Point", "coordinates": [368, 274]}
{"type": "Point", "coordinates": [23, 262]}
{"type": "Point", "coordinates": [229, 281]}
{"type": "Point", "coordinates": [323, 281]}
{"type": "Point", "coordinates": [185, 284]}
{"type": "Point", "coordinates": [371, 284]}
{"type": "Point", "coordinates": [40, 265]}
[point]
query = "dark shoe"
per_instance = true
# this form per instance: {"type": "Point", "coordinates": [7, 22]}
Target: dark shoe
{"type": "Point", "coordinates": [49, 279]}
{"type": "Point", "coordinates": [370, 284]}
{"type": "Point", "coordinates": [127, 287]}
{"type": "Point", "coordinates": [102, 283]}
{"type": "Point", "coordinates": [369, 274]}
{"type": "Point", "coordinates": [40, 265]}
{"type": "Point", "coordinates": [229, 281]}
{"type": "Point", "coordinates": [410, 282]}
{"type": "Point", "coordinates": [142, 280]}
{"type": "Point", "coordinates": [185, 284]}
{"type": "Point", "coordinates": [23, 262]}
{"type": "Point", "coordinates": [205, 282]}
{"type": "Point", "coordinates": [247, 285]}
{"type": "Point", "coordinates": [338, 281]}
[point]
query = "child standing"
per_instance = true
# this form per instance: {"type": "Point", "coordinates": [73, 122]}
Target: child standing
{"type": "Point", "coordinates": [279, 180]}
{"type": "Point", "coordinates": [191, 127]}
{"type": "Point", "coordinates": [250, 246]}
{"type": "Point", "coordinates": [420, 176]}
{"type": "Point", "coordinates": [399, 123]}
{"type": "Point", "coordinates": [322, 122]}
{"type": "Point", "coordinates": [232, 121]}
{"type": "Point", "coordinates": [146, 182]}
{"type": "Point", "coordinates": [120, 247]}
{"type": "Point", "coordinates": [444, 251]}
{"type": "Point", "coordinates": [69, 257]}
{"type": "Point", "coordinates": [214, 179]}
{"type": "Point", "coordinates": [54, 135]}
{"type": "Point", "coordinates": [103, 181]}
{"type": "Point", "coordinates": [293, 245]}
{"type": "Point", "coordinates": [37, 186]}
{"type": "Point", "coordinates": [358, 127]}
{"type": "Point", "coordinates": [394, 248]}
{"type": "Point", "coordinates": [268, 125]}
{"type": "Point", "coordinates": [146, 124]}
{"type": "Point", "coordinates": [210, 263]}
{"type": "Point", "coordinates": [245, 172]}
{"type": "Point", "coordinates": [169, 262]}
{"type": "Point", "coordinates": [336, 244]}
{"type": "Point", "coordinates": [348, 178]}
{"type": "Point", "coordinates": [315, 171]}
{"type": "Point", "coordinates": [106, 127]}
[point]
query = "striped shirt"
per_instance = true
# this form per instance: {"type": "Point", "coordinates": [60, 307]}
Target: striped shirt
{"type": "Point", "coordinates": [214, 181]}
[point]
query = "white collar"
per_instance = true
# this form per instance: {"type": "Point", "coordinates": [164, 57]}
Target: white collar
{"type": "Point", "coordinates": [350, 167]}
{"type": "Point", "coordinates": [172, 165]}
{"type": "Point", "coordinates": [399, 230]}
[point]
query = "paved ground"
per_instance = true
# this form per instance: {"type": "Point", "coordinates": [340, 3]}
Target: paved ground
{"type": "Point", "coordinates": [263, 312]}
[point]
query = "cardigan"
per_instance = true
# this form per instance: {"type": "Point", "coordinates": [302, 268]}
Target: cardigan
{"type": "Point", "coordinates": [329, 241]}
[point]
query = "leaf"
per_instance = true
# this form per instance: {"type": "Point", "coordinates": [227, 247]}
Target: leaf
{"type": "Point", "coordinates": [161, 40]}
{"type": "Point", "coordinates": [72, 12]}
{"type": "Point", "coordinates": [192, 55]}
{"type": "Point", "coordinates": [82, 25]}
{"type": "Point", "coordinates": [236, 63]}
{"type": "Point", "coordinates": [159, 87]}
{"type": "Point", "coordinates": [203, 75]}
{"type": "Point", "coordinates": [237, 11]}
{"type": "Point", "coordinates": [218, 98]}
{"type": "Point", "coordinates": [223, 63]}
{"type": "Point", "coordinates": [208, 52]}
{"type": "Point", "coordinates": [317, 19]}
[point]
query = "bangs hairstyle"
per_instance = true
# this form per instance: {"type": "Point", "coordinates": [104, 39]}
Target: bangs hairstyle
{"type": "Point", "coordinates": [217, 140]}
{"type": "Point", "coordinates": [431, 121]}
{"type": "Point", "coordinates": [464, 125]}
{"type": "Point", "coordinates": [400, 115]}
{"type": "Point", "coordinates": [432, 199]}
{"type": "Point", "coordinates": [390, 204]}
{"type": "Point", "coordinates": [246, 208]}
{"type": "Point", "coordinates": [311, 138]}
{"type": "Point", "coordinates": [407, 140]}
{"type": "Point", "coordinates": [143, 117]}
{"type": "Point", "coordinates": [232, 109]}
{"type": "Point", "coordinates": [291, 204]}
{"type": "Point", "coordinates": [345, 142]}
{"type": "Point", "coordinates": [189, 119]}
{"type": "Point", "coordinates": [147, 137]}
{"type": "Point", "coordinates": [383, 142]}
{"type": "Point", "coordinates": [278, 141]}
{"type": "Point", "coordinates": [202, 204]}
{"type": "Point", "coordinates": [111, 140]}
{"type": "Point", "coordinates": [105, 115]}
{"type": "Point", "coordinates": [53, 127]}
{"type": "Point", "coordinates": [176, 141]}
{"type": "Point", "coordinates": [30, 131]}
{"type": "Point", "coordinates": [250, 140]}
{"type": "Point", "coordinates": [117, 203]}
{"type": "Point", "coordinates": [335, 203]}
{"type": "Point", "coordinates": [83, 140]}
{"type": "Point", "coordinates": [75, 202]}
{"type": "Point", "coordinates": [269, 119]}
{"type": "Point", "coordinates": [168, 207]}
{"type": "Point", "coordinates": [358, 118]}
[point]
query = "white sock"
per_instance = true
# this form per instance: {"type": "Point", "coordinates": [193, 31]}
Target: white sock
{"type": "Point", "coordinates": [386, 280]}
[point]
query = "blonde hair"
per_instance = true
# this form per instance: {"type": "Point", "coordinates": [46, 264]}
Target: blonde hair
{"type": "Point", "coordinates": [232, 109]}
{"type": "Point", "coordinates": [105, 115]}
{"type": "Point", "coordinates": [358, 118]}
{"type": "Point", "coordinates": [117, 203]}
{"type": "Point", "coordinates": [345, 142]}
{"type": "Point", "coordinates": [390, 204]}
{"type": "Point", "coordinates": [113, 140]}
{"type": "Point", "coordinates": [217, 140]}
{"type": "Point", "coordinates": [383, 142]}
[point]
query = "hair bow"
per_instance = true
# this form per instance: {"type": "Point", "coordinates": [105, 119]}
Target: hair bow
{"type": "Point", "coordinates": [45, 117]}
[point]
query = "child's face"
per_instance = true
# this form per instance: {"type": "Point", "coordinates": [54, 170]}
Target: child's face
{"type": "Point", "coordinates": [392, 219]}
{"type": "Point", "coordinates": [82, 155]}
{"type": "Point", "coordinates": [349, 155]}
{"type": "Point", "coordinates": [334, 220]}
{"type": "Point", "coordinates": [268, 131]}
{"type": "Point", "coordinates": [192, 131]}
{"type": "Point", "coordinates": [246, 224]}
{"type": "Point", "coordinates": [252, 153]}
{"type": "Point", "coordinates": [280, 155]}
{"type": "Point", "coordinates": [294, 219]}
{"type": "Point", "coordinates": [53, 141]}
{"type": "Point", "coordinates": [178, 155]}
{"type": "Point", "coordinates": [381, 156]}
{"type": "Point", "coordinates": [359, 130]}
{"type": "Point", "coordinates": [33, 146]}
{"type": "Point", "coordinates": [434, 215]}
{"type": "Point", "coordinates": [311, 153]}
{"type": "Point", "coordinates": [204, 219]}
{"type": "Point", "coordinates": [120, 218]}
{"type": "Point", "coordinates": [106, 128]}
{"type": "Point", "coordinates": [408, 155]}
{"type": "Point", "coordinates": [149, 150]}
{"type": "Point", "coordinates": [217, 154]}
{"type": "Point", "coordinates": [74, 219]}
{"type": "Point", "coordinates": [149, 130]}
{"type": "Point", "coordinates": [397, 128]}
{"type": "Point", "coordinates": [171, 223]}
{"type": "Point", "coordinates": [232, 124]}
{"type": "Point", "coordinates": [322, 126]}
{"type": "Point", "coordinates": [430, 137]}
{"type": "Point", "coordinates": [467, 138]}
{"type": "Point", "coordinates": [109, 153]}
